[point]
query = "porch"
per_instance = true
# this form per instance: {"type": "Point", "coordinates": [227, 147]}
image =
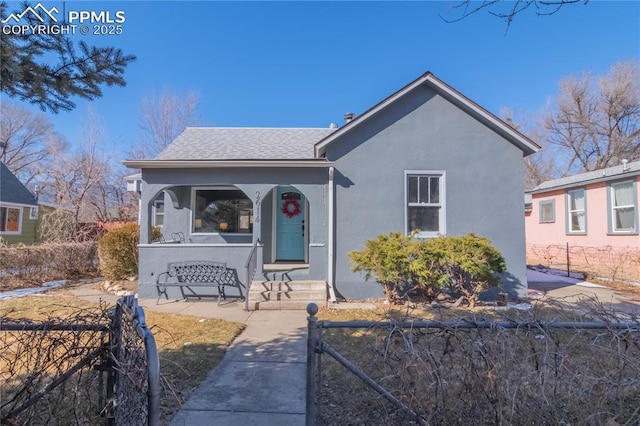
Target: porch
{"type": "Point", "coordinates": [274, 235]}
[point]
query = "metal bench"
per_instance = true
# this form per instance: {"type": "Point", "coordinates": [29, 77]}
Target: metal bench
{"type": "Point", "coordinates": [189, 276]}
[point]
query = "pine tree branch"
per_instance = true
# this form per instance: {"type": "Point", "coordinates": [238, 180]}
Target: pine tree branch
{"type": "Point", "coordinates": [25, 74]}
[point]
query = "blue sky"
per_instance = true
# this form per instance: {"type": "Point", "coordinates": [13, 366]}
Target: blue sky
{"type": "Point", "coordinates": [304, 64]}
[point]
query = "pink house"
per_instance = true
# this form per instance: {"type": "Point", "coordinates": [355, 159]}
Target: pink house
{"type": "Point", "coordinates": [591, 219]}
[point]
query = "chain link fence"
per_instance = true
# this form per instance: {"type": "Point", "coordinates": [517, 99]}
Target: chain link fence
{"type": "Point", "coordinates": [94, 366]}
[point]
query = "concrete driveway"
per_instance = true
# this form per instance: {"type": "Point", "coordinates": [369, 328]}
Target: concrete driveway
{"type": "Point", "coordinates": [582, 294]}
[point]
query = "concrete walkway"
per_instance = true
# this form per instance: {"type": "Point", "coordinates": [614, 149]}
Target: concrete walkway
{"type": "Point", "coordinates": [262, 378]}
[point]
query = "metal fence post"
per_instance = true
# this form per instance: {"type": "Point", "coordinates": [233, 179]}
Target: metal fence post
{"type": "Point", "coordinates": [312, 367]}
{"type": "Point", "coordinates": [115, 344]}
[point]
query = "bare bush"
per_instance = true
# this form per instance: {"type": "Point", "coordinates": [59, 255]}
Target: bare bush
{"type": "Point", "coordinates": [56, 226]}
{"type": "Point", "coordinates": [22, 265]}
{"type": "Point", "coordinates": [72, 365]}
{"type": "Point", "coordinates": [454, 376]}
{"type": "Point", "coordinates": [48, 374]}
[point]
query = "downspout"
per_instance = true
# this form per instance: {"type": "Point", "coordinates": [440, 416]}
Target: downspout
{"type": "Point", "coordinates": [330, 243]}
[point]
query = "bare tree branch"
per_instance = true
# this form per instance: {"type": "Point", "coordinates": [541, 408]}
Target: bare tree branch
{"type": "Point", "coordinates": [78, 179]}
{"type": "Point", "coordinates": [24, 141]}
{"type": "Point", "coordinates": [507, 10]}
{"type": "Point", "coordinates": [161, 119]}
{"type": "Point", "coordinates": [596, 120]}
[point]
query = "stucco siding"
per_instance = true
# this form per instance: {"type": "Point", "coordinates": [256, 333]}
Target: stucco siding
{"type": "Point", "coordinates": [600, 251]}
{"type": "Point", "coordinates": [425, 132]}
{"type": "Point", "coordinates": [597, 219]}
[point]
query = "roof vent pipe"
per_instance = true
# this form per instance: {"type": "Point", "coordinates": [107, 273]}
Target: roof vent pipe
{"type": "Point", "coordinates": [349, 116]}
{"type": "Point", "coordinates": [625, 166]}
{"type": "Point", "coordinates": [333, 125]}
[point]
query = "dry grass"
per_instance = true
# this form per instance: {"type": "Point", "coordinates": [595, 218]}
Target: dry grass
{"type": "Point", "coordinates": [189, 347]}
{"type": "Point", "coordinates": [619, 286]}
{"type": "Point", "coordinates": [478, 377]}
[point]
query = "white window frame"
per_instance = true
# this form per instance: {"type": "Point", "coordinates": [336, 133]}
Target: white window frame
{"type": "Point", "coordinates": [20, 211]}
{"type": "Point", "coordinates": [442, 217]}
{"type": "Point", "coordinates": [612, 208]}
{"type": "Point", "coordinates": [568, 215]}
{"type": "Point", "coordinates": [33, 213]}
{"type": "Point", "coordinates": [154, 210]}
{"type": "Point", "coordinates": [193, 209]}
{"type": "Point", "coordinates": [552, 203]}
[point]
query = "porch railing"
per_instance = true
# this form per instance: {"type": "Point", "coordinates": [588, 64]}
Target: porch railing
{"type": "Point", "coordinates": [251, 266]}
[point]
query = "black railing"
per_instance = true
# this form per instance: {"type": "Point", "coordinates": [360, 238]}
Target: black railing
{"type": "Point", "coordinates": [251, 266]}
{"type": "Point", "coordinates": [623, 335]}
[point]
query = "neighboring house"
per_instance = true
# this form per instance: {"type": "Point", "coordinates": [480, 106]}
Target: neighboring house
{"type": "Point", "coordinates": [18, 210]}
{"type": "Point", "coordinates": [425, 158]}
{"type": "Point", "coordinates": [594, 213]}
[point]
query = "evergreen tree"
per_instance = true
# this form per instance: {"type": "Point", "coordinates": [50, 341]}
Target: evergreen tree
{"type": "Point", "coordinates": [49, 69]}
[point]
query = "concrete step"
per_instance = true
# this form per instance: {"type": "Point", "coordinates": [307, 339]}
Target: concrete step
{"type": "Point", "coordinates": [284, 295]}
{"type": "Point", "coordinates": [290, 295]}
{"type": "Point", "coordinates": [288, 285]}
{"type": "Point", "coordinates": [283, 305]}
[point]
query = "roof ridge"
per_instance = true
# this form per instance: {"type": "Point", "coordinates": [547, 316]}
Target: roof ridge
{"type": "Point", "coordinates": [258, 128]}
{"type": "Point", "coordinates": [607, 173]}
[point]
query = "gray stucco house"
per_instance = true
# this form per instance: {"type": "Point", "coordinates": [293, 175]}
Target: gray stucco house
{"type": "Point", "coordinates": [426, 157]}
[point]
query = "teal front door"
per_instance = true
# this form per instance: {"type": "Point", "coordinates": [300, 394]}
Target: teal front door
{"type": "Point", "coordinates": [290, 224]}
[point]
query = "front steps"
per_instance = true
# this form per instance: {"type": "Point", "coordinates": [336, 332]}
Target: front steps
{"type": "Point", "coordinates": [286, 295]}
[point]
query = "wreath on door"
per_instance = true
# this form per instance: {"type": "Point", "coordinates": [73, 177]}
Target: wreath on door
{"type": "Point", "coordinates": [291, 208]}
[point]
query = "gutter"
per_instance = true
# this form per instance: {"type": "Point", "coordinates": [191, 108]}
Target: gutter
{"type": "Point", "coordinates": [330, 255]}
{"type": "Point", "coordinates": [197, 164]}
{"type": "Point", "coordinates": [582, 183]}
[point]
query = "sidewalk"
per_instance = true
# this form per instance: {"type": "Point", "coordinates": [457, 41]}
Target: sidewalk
{"type": "Point", "coordinates": [262, 378]}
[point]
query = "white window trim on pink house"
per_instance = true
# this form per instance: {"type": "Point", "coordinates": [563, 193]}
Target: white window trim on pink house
{"type": "Point", "coordinates": [589, 221]}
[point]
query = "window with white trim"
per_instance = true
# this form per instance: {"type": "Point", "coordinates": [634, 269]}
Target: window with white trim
{"type": "Point", "coordinates": [10, 220]}
{"type": "Point", "coordinates": [158, 210]}
{"type": "Point", "coordinates": [547, 211]}
{"type": "Point", "coordinates": [623, 202]}
{"type": "Point", "coordinates": [33, 213]}
{"type": "Point", "coordinates": [425, 203]}
{"type": "Point", "coordinates": [576, 212]}
{"type": "Point", "coordinates": [222, 210]}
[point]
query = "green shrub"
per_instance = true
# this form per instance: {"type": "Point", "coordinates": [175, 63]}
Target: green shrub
{"type": "Point", "coordinates": [395, 261]}
{"type": "Point", "coordinates": [410, 268]}
{"type": "Point", "coordinates": [467, 265]}
{"type": "Point", "coordinates": [118, 252]}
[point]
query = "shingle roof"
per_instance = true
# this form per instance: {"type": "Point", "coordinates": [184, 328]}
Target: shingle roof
{"type": "Point", "coordinates": [12, 190]}
{"type": "Point", "coordinates": [601, 175]}
{"type": "Point", "coordinates": [220, 143]}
